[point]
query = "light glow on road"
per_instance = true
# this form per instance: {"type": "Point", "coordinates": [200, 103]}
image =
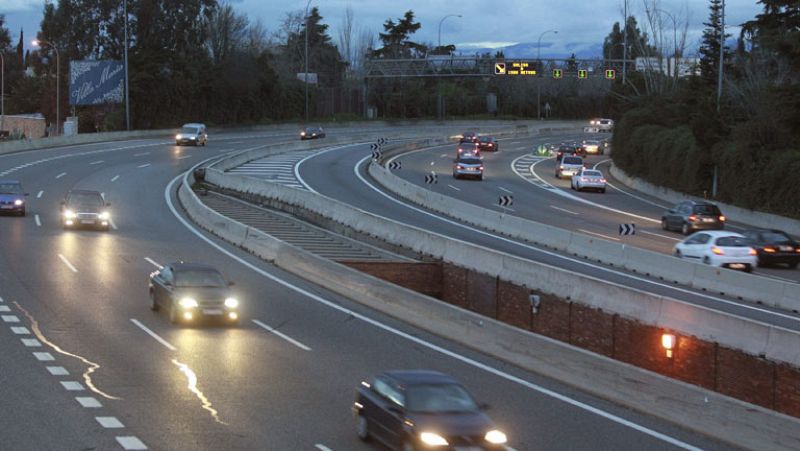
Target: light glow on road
{"type": "Point", "coordinates": [191, 378]}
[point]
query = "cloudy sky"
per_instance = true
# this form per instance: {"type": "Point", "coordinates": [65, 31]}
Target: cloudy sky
{"type": "Point", "coordinates": [484, 23]}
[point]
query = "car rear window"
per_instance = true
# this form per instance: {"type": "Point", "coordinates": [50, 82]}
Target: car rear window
{"type": "Point", "coordinates": [573, 160]}
{"type": "Point", "coordinates": [470, 161]}
{"type": "Point", "coordinates": [776, 237]}
{"type": "Point", "coordinates": [731, 241]}
{"type": "Point", "coordinates": [711, 210]}
{"type": "Point", "coordinates": [592, 173]}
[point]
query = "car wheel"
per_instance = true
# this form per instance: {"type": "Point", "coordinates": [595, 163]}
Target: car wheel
{"type": "Point", "coordinates": [664, 225]}
{"type": "Point", "coordinates": [362, 428]}
{"type": "Point", "coordinates": [685, 229]}
{"type": "Point", "coordinates": [706, 260]}
{"type": "Point", "coordinates": [792, 265]}
{"type": "Point", "coordinates": [678, 253]}
{"type": "Point", "coordinates": [480, 177]}
{"type": "Point", "coordinates": [748, 269]}
{"type": "Point", "coordinates": [177, 143]}
{"type": "Point", "coordinates": [558, 176]}
{"type": "Point", "coordinates": [603, 190]}
{"type": "Point", "coordinates": [173, 314]}
{"type": "Point", "coordinates": [153, 304]}
{"type": "Point", "coordinates": [204, 143]}
{"type": "Point", "coordinates": [22, 212]}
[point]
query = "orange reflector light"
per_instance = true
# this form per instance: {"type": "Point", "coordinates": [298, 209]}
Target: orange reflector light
{"type": "Point", "coordinates": [717, 251]}
{"type": "Point", "coordinates": [752, 252]}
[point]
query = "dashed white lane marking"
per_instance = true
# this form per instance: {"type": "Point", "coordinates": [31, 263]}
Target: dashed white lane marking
{"type": "Point", "coordinates": [504, 189]}
{"type": "Point", "coordinates": [114, 179]}
{"type": "Point", "coordinates": [130, 443]}
{"type": "Point", "coordinates": [113, 224]}
{"type": "Point", "coordinates": [10, 319]}
{"type": "Point", "coordinates": [443, 155]}
{"type": "Point", "coordinates": [143, 165]}
{"type": "Point", "coordinates": [72, 386]}
{"type": "Point", "coordinates": [96, 162]}
{"type": "Point", "coordinates": [185, 157]}
{"type": "Point", "coordinates": [506, 208]}
{"type": "Point", "coordinates": [451, 186]}
{"type": "Point", "coordinates": [61, 175]}
{"type": "Point", "coordinates": [433, 163]}
{"type": "Point", "coordinates": [20, 330]}
{"type": "Point", "coordinates": [598, 234]}
{"type": "Point", "coordinates": [153, 334]}
{"type": "Point", "coordinates": [109, 422]}
{"type": "Point", "coordinates": [39, 195]}
{"type": "Point", "coordinates": [284, 336]}
{"type": "Point", "coordinates": [31, 342]}
{"type": "Point", "coordinates": [564, 210]}
{"type": "Point", "coordinates": [44, 356]}
{"type": "Point", "coordinates": [38, 221]}
{"type": "Point", "coordinates": [66, 262]}
{"type": "Point", "coordinates": [660, 235]}
{"type": "Point", "coordinates": [141, 154]}
{"type": "Point", "coordinates": [5, 308]}
{"type": "Point", "coordinates": [153, 262]}
{"type": "Point", "coordinates": [58, 371]}
{"type": "Point", "coordinates": [88, 402]}
{"type": "Point", "coordinates": [516, 142]}
{"type": "Point", "coordinates": [322, 447]}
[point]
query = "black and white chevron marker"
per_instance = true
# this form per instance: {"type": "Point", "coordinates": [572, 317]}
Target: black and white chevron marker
{"type": "Point", "coordinates": [506, 201]}
{"type": "Point", "coordinates": [396, 165]}
{"type": "Point", "coordinates": [376, 154]}
{"type": "Point", "coordinates": [375, 146]}
{"type": "Point", "coordinates": [627, 229]}
{"type": "Point", "coordinates": [381, 141]}
{"type": "Point", "coordinates": [431, 178]}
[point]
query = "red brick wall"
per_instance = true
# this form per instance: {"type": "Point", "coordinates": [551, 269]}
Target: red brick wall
{"type": "Point", "coordinates": [482, 294]}
{"type": "Point", "coordinates": [423, 278]}
{"type": "Point", "coordinates": [787, 390]}
{"type": "Point", "coordinates": [454, 285]}
{"type": "Point", "coordinates": [745, 377]}
{"type": "Point", "coordinates": [592, 329]}
{"type": "Point", "coordinates": [513, 305]}
{"type": "Point", "coordinates": [552, 319]}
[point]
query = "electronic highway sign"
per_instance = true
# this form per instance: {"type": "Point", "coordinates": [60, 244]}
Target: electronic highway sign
{"type": "Point", "coordinates": [515, 68]}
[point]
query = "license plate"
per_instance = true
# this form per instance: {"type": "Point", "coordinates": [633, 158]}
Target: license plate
{"type": "Point", "coordinates": [6, 207]}
{"type": "Point", "coordinates": [737, 265]}
{"type": "Point", "coordinates": [708, 220]}
{"type": "Point", "coordinates": [210, 311]}
{"type": "Point", "coordinates": [87, 221]}
{"type": "Point", "coordinates": [786, 248]}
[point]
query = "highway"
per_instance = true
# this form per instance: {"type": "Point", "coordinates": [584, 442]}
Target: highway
{"type": "Point", "coordinates": [87, 365]}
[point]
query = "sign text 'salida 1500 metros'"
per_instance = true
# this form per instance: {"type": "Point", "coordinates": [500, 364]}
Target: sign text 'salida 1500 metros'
{"type": "Point", "coordinates": [96, 82]}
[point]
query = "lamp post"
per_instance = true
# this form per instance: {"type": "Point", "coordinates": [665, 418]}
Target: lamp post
{"type": "Point", "coordinates": [127, 92]}
{"type": "Point", "coordinates": [625, 42]}
{"type": "Point", "coordinates": [538, 82]}
{"type": "Point", "coordinates": [674, 39]}
{"type": "Point", "coordinates": [2, 90]}
{"type": "Point", "coordinates": [719, 78]}
{"type": "Point", "coordinates": [305, 74]}
{"type": "Point", "coordinates": [439, 106]}
{"type": "Point", "coordinates": [37, 43]}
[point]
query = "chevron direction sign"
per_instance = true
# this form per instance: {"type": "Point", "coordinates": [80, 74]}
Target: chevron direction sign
{"type": "Point", "coordinates": [431, 179]}
{"type": "Point", "coordinates": [395, 165]}
{"type": "Point", "coordinates": [627, 229]}
{"type": "Point", "coordinates": [506, 201]}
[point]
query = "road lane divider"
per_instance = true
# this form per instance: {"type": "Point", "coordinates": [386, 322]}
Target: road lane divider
{"type": "Point", "coordinates": [275, 331]}
{"type": "Point", "coordinates": [158, 338]}
{"type": "Point", "coordinates": [67, 263]}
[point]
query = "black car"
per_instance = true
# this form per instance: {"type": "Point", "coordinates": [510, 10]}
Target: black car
{"type": "Point", "coordinates": [468, 148]}
{"type": "Point", "coordinates": [469, 136]}
{"type": "Point", "coordinates": [773, 247]}
{"type": "Point", "coordinates": [312, 133]}
{"type": "Point", "coordinates": [569, 150]}
{"type": "Point", "coordinates": [690, 215]}
{"type": "Point", "coordinates": [82, 208]}
{"type": "Point", "coordinates": [488, 143]}
{"type": "Point", "coordinates": [12, 197]}
{"type": "Point", "coordinates": [193, 291]}
{"type": "Point", "coordinates": [416, 409]}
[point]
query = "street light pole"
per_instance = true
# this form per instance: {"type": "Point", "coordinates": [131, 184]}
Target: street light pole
{"type": "Point", "coordinates": [674, 38]}
{"type": "Point", "coordinates": [37, 43]}
{"type": "Point", "coordinates": [127, 92]}
{"type": "Point", "coordinates": [305, 74]}
{"type": "Point", "coordinates": [2, 90]}
{"type": "Point", "coordinates": [439, 106]}
{"type": "Point", "coordinates": [625, 43]}
{"type": "Point", "coordinates": [539, 82]}
{"type": "Point", "coordinates": [721, 56]}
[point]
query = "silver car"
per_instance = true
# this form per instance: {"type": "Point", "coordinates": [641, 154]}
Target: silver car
{"type": "Point", "coordinates": [468, 166]}
{"type": "Point", "coordinates": [194, 134]}
{"type": "Point", "coordinates": [81, 208]}
{"type": "Point", "coordinates": [592, 146]}
{"type": "Point", "coordinates": [589, 179]}
{"type": "Point", "coordinates": [569, 166]}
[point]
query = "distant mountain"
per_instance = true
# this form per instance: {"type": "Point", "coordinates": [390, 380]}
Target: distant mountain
{"type": "Point", "coordinates": [528, 50]}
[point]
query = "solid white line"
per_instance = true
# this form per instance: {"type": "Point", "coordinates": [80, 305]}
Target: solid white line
{"type": "Point", "coordinates": [72, 386]}
{"type": "Point", "coordinates": [152, 262]}
{"type": "Point", "coordinates": [39, 196]}
{"type": "Point", "coordinates": [10, 319]}
{"type": "Point", "coordinates": [61, 175]}
{"type": "Point", "coordinates": [451, 186]}
{"type": "Point", "coordinates": [38, 221]}
{"type": "Point", "coordinates": [599, 234]}
{"type": "Point", "coordinates": [284, 336]}
{"type": "Point", "coordinates": [443, 155]}
{"type": "Point", "coordinates": [66, 262]}
{"type": "Point", "coordinates": [153, 334]}
{"type": "Point", "coordinates": [88, 402]}
{"type": "Point", "coordinates": [322, 447]}
{"type": "Point", "coordinates": [659, 235]}
{"type": "Point", "coordinates": [20, 330]}
{"type": "Point", "coordinates": [5, 308]}
{"type": "Point", "coordinates": [57, 371]}
{"type": "Point", "coordinates": [31, 342]}
{"type": "Point", "coordinates": [44, 356]}
{"type": "Point", "coordinates": [141, 154]}
{"type": "Point", "coordinates": [185, 157]}
{"type": "Point", "coordinates": [114, 179]}
{"type": "Point", "coordinates": [564, 210]}
{"type": "Point", "coordinates": [96, 162]}
{"type": "Point", "coordinates": [109, 422]}
{"type": "Point", "coordinates": [506, 190]}
{"type": "Point", "coordinates": [143, 165]}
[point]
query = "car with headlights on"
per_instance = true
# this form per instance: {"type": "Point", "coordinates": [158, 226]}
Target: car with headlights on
{"type": "Point", "coordinates": [488, 143]}
{"type": "Point", "coordinates": [418, 409]}
{"type": "Point", "coordinates": [689, 216]}
{"type": "Point", "coordinates": [192, 292]}
{"type": "Point", "coordinates": [12, 197]}
{"type": "Point", "coordinates": [85, 208]}
{"type": "Point", "coordinates": [568, 149]}
{"type": "Point", "coordinates": [192, 133]}
{"type": "Point", "coordinates": [718, 248]}
{"type": "Point", "coordinates": [602, 125]}
{"type": "Point", "coordinates": [468, 165]}
{"type": "Point", "coordinates": [468, 148]}
{"type": "Point", "coordinates": [469, 136]}
{"type": "Point", "coordinates": [569, 166]}
{"type": "Point", "coordinates": [588, 179]}
{"type": "Point", "coordinates": [774, 247]}
{"type": "Point", "coordinates": [312, 133]}
{"type": "Point", "coordinates": [592, 147]}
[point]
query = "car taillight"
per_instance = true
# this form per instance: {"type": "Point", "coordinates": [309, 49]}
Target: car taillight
{"type": "Point", "coordinates": [751, 251]}
{"type": "Point", "coordinates": [722, 218]}
{"type": "Point", "coordinates": [692, 218]}
{"type": "Point", "coordinates": [602, 180]}
{"type": "Point", "coordinates": [717, 251]}
{"type": "Point", "coordinates": [459, 167]}
{"type": "Point", "coordinates": [481, 168]}
{"type": "Point", "coordinates": [769, 250]}
{"type": "Point", "coordinates": [584, 179]}
{"type": "Point", "coordinates": [797, 250]}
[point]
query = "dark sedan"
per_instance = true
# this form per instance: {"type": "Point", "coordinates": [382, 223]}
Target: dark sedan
{"type": "Point", "coordinates": [471, 136]}
{"type": "Point", "coordinates": [82, 208]}
{"type": "Point", "coordinates": [690, 216]}
{"type": "Point", "coordinates": [773, 247]}
{"type": "Point", "coordinates": [12, 197]}
{"type": "Point", "coordinates": [416, 409]}
{"type": "Point", "coordinates": [191, 292]}
{"type": "Point", "coordinates": [312, 133]}
{"type": "Point", "coordinates": [488, 143]}
{"type": "Point", "coordinates": [568, 150]}
{"type": "Point", "coordinates": [468, 148]}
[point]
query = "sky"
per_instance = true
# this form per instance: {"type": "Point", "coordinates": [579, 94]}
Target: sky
{"type": "Point", "coordinates": [483, 23]}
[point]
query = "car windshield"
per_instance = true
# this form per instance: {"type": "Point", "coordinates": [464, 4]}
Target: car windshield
{"type": "Point", "coordinates": [731, 241]}
{"type": "Point", "coordinates": [85, 200]}
{"type": "Point", "coordinates": [573, 160]}
{"type": "Point", "coordinates": [710, 210]}
{"type": "Point", "coordinates": [469, 161]}
{"type": "Point", "coordinates": [487, 139]}
{"type": "Point", "coordinates": [776, 237]}
{"type": "Point", "coordinates": [592, 143]}
{"type": "Point", "coordinates": [189, 130]}
{"type": "Point", "coordinates": [10, 188]}
{"type": "Point", "coordinates": [592, 173]}
{"type": "Point", "coordinates": [199, 278]}
{"type": "Point", "coordinates": [440, 398]}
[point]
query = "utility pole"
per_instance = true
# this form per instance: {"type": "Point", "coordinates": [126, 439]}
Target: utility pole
{"type": "Point", "coordinates": [2, 90]}
{"type": "Point", "coordinates": [539, 76]}
{"type": "Point", "coordinates": [721, 56]}
{"type": "Point", "coordinates": [305, 75]}
{"type": "Point", "coordinates": [439, 105]}
{"type": "Point", "coordinates": [127, 92]}
{"type": "Point", "coordinates": [625, 42]}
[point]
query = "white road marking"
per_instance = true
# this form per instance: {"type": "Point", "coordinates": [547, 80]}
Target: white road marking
{"type": "Point", "coordinates": [113, 224]}
{"type": "Point", "coordinates": [322, 447]}
{"type": "Point", "coordinates": [647, 201]}
{"type": "Point", "coordinates": [88, 402]}
{"type": "Point", "coordinates": [442, 155]}
{"type": "Point", "coordinates": [506, 208]}
{"type": "Point", "coordinates": [39, 195]}
{"type": "Point", "coordinates": [58, 371]}
{"type": "Point", "coordinates": [433, 163]}
{"type": "Point", "coordinates": [152, 262]}
{"type": "Point", "coordinates": [130, 443]}
{"type": "Point", "coordinates": [516, 142]}
{"type": "Point", "coordinates": [141, 154]}
{"type": "Point", "coordinates": [44, 356]}
{"type": "Point", "coordinates": [114, 179]}
{"type": "Point", "coordinates": [564, 210]}
{"type": "Point", "coordinates": [451, 186]}
{"type": "Point", "coordinates": [143, 165]}
{"type": "Point", "coordinates": [154, 335]}
{"type": "Point", "coordinates": [389, 329]}
{"type": "Point", "coordinates": [31, 342]}
{"type": "Point", "coordinates": [185, 157]}
{"type": "Point", "coordinates": [599, 234]}
{"type": "Point", "coordinates": [504, 189]}
{"type": "Point", "coordinates": [72, 386]}
{"type": "Point", "coordinates": [38, 221]}
{"type": "Point", "coordinates": [96, 162]}
{"type": "Point", "coordinates": [282, 335]}
{"type": "Point", "coordinates": [763, 274]}
{"type": "Point", "coordinates": [66, 262]}
{"type": "Point", "coordinates": [659, 235]}
{"type": "Point", "coordinates": [61, 175]}
{"type": "Point", "coordinates": [10, 319]}
{"type": "Point", "coordinates": [109, 422]}
{"type": "Point", "coordinates": [5, 308]}
{"type": "Point", "coordinates": [20, 330]}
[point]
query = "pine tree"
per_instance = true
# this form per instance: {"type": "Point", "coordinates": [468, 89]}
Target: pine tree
{"type": "Point", "coordinates": [709, 49]}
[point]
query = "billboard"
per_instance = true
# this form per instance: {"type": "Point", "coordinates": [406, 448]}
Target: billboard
{"type": "Point", "coordinates": [94, 82]}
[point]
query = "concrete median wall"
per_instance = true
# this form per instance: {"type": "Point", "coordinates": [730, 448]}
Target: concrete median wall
{"type": "Point", "coordinates": [736, 422]}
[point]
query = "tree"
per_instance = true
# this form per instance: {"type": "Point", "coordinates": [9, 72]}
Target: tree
{"type": "Point", "coordinates": [227, 32]}
{"type": "Point", "coordinates": [777, 30]}
{"type": "Point", "coordinates": [395, 39]}
{"type": "Point", "coordinates": [711, 43]}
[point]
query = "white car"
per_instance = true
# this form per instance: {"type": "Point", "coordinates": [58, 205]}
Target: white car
{"type": "Point", "coordinates": [589, 179]}
{"type": "Point", "coordinates": [193, 133]}
{"type": "Point", "coordinates": [568, 166]}
{"type": "Point", "coordinates": [718, 248]}
{"type": "Point", "coordinates": [602, 125]}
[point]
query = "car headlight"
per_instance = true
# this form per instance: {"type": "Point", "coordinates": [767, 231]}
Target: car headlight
{"type": "Point", "coordinates": [188, 303]}
{"type": "Point", "coordinates": [432, 439]}
{"type": "Point", "coordinates": [69, 214]}
{"type": "Point", "coordinates": [18, 202]}
{"type": "Point", "coordinates": [495, 437]}
{"type": "Point", "coordinates": [302, 133]}
{"type": "Point", "coordinates": [105, 216]}
{"type": "Point", "coordinates": [231, 303]}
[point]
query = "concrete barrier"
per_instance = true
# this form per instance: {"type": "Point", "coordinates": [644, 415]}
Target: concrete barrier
{"type": "Point", "coordinates": [664, 266]}
{"type": "Point", "coordinates": [735, 422]}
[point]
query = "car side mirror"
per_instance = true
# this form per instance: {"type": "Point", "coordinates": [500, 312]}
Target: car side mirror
{"type": "Point", "coordinates": [484, 406]}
